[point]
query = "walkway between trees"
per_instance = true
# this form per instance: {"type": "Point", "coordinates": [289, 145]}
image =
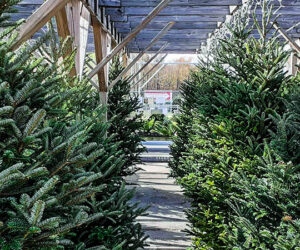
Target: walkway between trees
{"type": "Point", "coordinates": [166, 219]}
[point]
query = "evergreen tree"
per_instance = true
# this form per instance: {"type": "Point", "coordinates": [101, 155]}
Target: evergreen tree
{"type": "Point", "coordinates": [125, 118]}
{"type": "Point", "coordinates": [58, 174]}
{"type": "Point", "coordinates": [232, 97]}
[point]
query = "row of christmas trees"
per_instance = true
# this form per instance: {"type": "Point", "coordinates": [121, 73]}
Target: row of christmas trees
{"type": "Point", "coordinates": [61, 165]}
{"type": "Point", "coordinates": [237, 149]}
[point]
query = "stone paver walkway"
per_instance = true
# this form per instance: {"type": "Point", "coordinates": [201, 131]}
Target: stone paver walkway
{"type": "Point", "coordinates": [166, 219]}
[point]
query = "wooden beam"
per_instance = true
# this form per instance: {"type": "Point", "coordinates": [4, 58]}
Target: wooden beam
{"type": "Point", "coordinates": [79, 22]}
{"type": "Point", "coordinates": [149, 72]}
{"type": "Point", "coordinates": [293, 64]}
{"type": "Point", "coordinates": [153, 41]}
{"type": "Point", "coordinates": [129, 37]}
{"type": "Point", "coordinates": [37, 20]}
{"type": "Point", "coordinates": [64, 32]}
{"type": "Point", "coordinates": [100, 40]}
{"type": "Point", "coordinates": [286, 37]}
{"type": "Point", "coordinates": [125, 60]}
{"type": "Point", "coordinates": [156, 72]}
{"type": "Point", "coordinates": [147, 63]}
{"type": "Point", "coordinates": [62, 23]}
{"type": "Point", "coordinates": [97, 15]}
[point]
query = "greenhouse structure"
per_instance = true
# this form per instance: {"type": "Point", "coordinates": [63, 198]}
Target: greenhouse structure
{"type": "Point", "coordinates": [101, 150]}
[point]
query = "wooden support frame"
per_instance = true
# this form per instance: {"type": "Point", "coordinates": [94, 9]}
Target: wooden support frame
{"type": "Point", "coordinates": [147, 63]}
{"type": "Point", "coordinates": [156, 72]}
{"type": "Point", "coordinates": [286, 37]}
{"type": "Point", "coordinates": [79, 22]}
{"type": "Point", "coordinates": [64, 32]}
{"type": "Point", "coordinates": [37, 20]}
{"type": "Point", "coordinates": [149, 72]}
{"type": "Point", "coordinates": [98, 15]}
{"type": "Point", "coordinates": [129, 37]}
{"type": "Point", "coordinates": [293, 63]}
{"type": "Point", "coordinates": [125, 59]}
{"type": "Point", "coordinates": [134, 61]}
{"type": "Point", "coordinates": [100, 40]}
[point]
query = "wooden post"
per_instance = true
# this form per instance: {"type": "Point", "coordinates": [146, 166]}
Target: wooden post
{"type": "Point", "coordinates": [100, 40]}
{"type": "Point", "coordinates": [129, 37]}
{"type": "Point", "coordinates": [37, 20]}
{"type": "Point", "coordinates": [153, 41]}
{"type": "Point", "coordinates": [293, 69]}
{"type": "Point", "coordinates": [125, 59]}
{"type": "Point", "coordinates": [79, 22]}
{"type": "Point", "coordinates": [163, 58]}
{"type": "Point", "coordinates": [113, 44]}
{"type": "Point", "coordinates": [147, 63]}
{"type": "Point", "coordinates": [64, 32]}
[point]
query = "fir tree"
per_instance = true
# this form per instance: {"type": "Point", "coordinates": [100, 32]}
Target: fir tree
{"type": "Point", "coordinates": [58, 174]}
{"type": "Point", "coordinates": [235, 93]}
{"type": "Point", "coordinates": [126, 119]}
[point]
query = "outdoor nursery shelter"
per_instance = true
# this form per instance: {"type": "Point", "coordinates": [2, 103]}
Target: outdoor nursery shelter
{"type": "Point", "coordinates": [214, 165]}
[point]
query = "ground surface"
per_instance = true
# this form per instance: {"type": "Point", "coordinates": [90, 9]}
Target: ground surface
{"type": "Point", "coordinates": [166, 219]}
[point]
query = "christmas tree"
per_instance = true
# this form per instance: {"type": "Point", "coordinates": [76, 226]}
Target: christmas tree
{"type": "Point", "coordinates": [126, 119]}
{"type": "Point", "coordinates": [228, 112]}
{"type": "Point", "coordinates": [59, 175]}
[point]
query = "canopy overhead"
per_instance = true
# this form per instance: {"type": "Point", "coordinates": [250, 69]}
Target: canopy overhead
{"type": "Point", "coordinates": [195, 21]}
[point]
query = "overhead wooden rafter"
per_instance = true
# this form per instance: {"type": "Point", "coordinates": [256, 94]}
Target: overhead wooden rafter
{"type": "Point", "coordinates": [148, 62]}
{"type": "Point", "coordinates": [150, 79]}
{"type": "Point", "coordinates": [150, 71]}
{"type": "Point", "coordinates": [195, 20]}
{"type": "Point", "coordinates": [292, 43]}
{"type": "Point", "coordinates": [37, 20]}
{"type": "Point", "coordinates": [139, 56]}
{"type": "Point", "coordinates": [130, 36]}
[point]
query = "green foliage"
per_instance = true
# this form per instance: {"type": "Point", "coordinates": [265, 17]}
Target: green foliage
{"type": "Point", "coordinates": [126, 119]}
{"type": "Point", "coordinates": [60, 175]}
{"type": "Point", "coordinates": [233, 109]}
{"type": "Point", "coordinates": [163, 127]}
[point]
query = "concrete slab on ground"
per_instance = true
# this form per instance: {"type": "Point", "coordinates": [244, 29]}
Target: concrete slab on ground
{"type": "Point", "coordinates": [166, 220]}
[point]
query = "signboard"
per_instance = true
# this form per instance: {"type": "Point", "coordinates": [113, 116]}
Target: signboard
{"type": "Point", "coordinates": [159, 96]}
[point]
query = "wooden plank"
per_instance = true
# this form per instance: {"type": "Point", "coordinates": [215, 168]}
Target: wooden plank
{"type": "Point", "coordinates": [159, 25]}
{"type": "Point", "coordinates": [110, 3]}
{"type": "Point", "coordinates": [151, 3]}
{"type": "Point", "coordinates": [190, 32]}
{"type": "Point", "coordinates": [293, 44]}
{"type": "Point", "coordinates": [149, 72]}
{"type": "Point", "coordinates": [184, 35]}
{"type": "Point", "coordinates": [37, 20]}
{"type": "Point", "coordinates": [147, 63]}
{"type": "Point", "coordinates": [125, 60]}
{"type": "Point", "coordinates": [79, 22]}
{"type": "Point", "coordinates": [153, 41]}
{"type": "Point", "coordinates": [99, 16]}
{"type": "Point", "coordinates": [100, 52]}
{"type": "Point", "coordinates": [170, 11]}
{"type": "Point", "coordinates": [156, 72]}
{"type": "Point", "coordinates": [64, 32]}
{"type": "Point", "coordinates": [175, 18]}
{"type": "Point", "coordinates": [62, 24]}
{"type": "Point", "coordinates": [129, 37]}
